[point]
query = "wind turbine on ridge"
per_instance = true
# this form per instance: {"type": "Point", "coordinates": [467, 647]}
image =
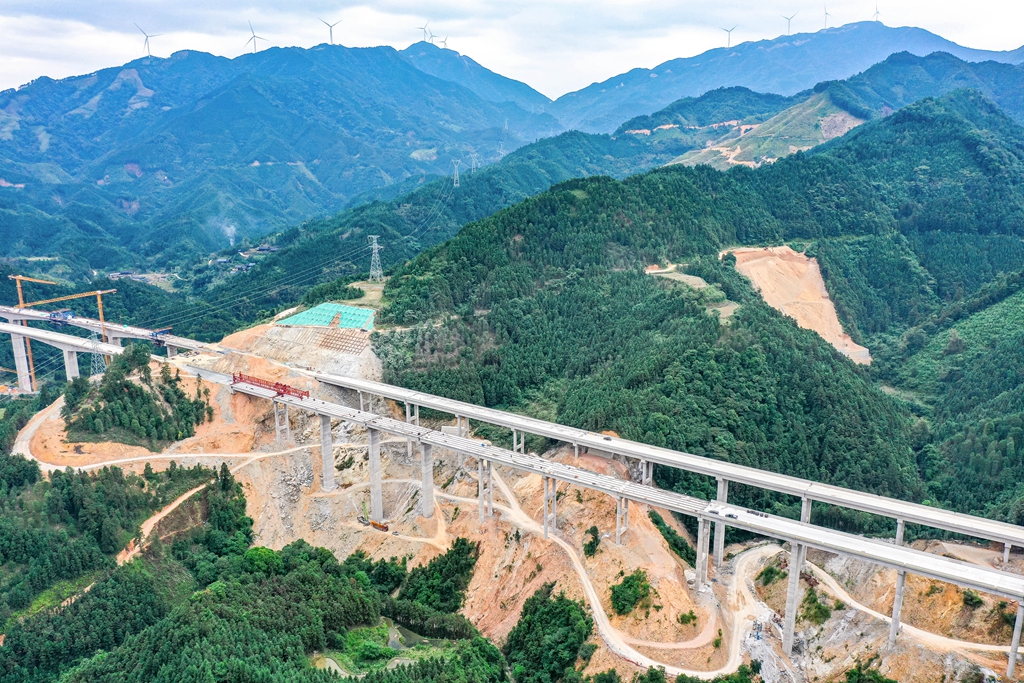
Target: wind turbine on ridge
{"type": "Point", "coordinates": [877, 13]}
{"type": "Point", "coordinates": [431, 38]}
{"type": "Point", "coordinates": [253, 39]}
{"type": "Point", "coordinates": [330, 27]}
{"type": "Point", "coordinates": [444, 43]}
{"type": "Point", "coordinates": [424, 29]}
{"type": "Point", "coordinates": [145, 45]}
{"type": "Point", "coordinates": [827, 15]}
{"type": "Point", "coordinates": [789, 21]}
{"type": "Point", "coordinates": [728, 32]}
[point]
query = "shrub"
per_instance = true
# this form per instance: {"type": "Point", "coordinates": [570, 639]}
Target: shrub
{"type": "Point", "coordinates": [972, 600]}
{"type": "Point", "coordinates": [590, 547]}
{"type": "Point", "coordinates": [628, 593]}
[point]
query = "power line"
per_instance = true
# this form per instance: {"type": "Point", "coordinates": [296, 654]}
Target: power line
{"type": "Point", "coordinates": [443, 197]}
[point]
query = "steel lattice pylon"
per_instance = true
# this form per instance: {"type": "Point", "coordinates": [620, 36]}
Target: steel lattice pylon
{"type": "Point", "coordinates": [376, 272]}
{"type": "Point", "coordinates": [98, 364]}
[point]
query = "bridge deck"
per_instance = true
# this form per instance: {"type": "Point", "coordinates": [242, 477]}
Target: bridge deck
{"type": "Point", "coordinates": [936, 567]}
{"type": "Point", "coordinates": [826, 493]}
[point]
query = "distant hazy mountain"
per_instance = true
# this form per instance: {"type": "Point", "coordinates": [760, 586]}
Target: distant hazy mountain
{"type": "Point", "coordinates": [451, 66]}
{"type": "Point", "coordinates": [785, 65]}
{"type": "Point", "coordinates": [164, 158]}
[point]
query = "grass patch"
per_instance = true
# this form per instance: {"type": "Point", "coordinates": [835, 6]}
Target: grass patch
{"type": "Point", "coordinates": [814, 610]}
{"type": "Point", "coordinates": [54, 596]}
{"type": "Point", "coordinates": [770, 575]}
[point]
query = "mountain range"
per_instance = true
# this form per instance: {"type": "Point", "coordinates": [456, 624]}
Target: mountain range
{"type": "Point", "coordinates": [784, 65]}
{"type": "Point", "coordinates": [166, 158]}
{"type": "Point", "coordinates": [160, 162]}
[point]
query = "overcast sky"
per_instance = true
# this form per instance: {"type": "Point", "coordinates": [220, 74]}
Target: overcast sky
{"type": "Point", "coordinates": [556, 46]}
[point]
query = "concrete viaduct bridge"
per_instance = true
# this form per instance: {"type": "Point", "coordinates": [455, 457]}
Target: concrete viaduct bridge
{"type": "Point", "coordinates": [72, 346]}
{"type": "Point", "coordinates": [802, 535]}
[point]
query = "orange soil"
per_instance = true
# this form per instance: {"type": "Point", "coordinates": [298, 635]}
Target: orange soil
{"type": "Point", "coordinates": [791, 282]}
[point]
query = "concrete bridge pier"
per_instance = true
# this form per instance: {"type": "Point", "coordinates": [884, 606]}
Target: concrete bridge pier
{"type": "Point", "coordinates": [897, 607]}
{"type": "Point", "coordinates": [376, 489]}
{"type": "Point", "coordinates": [1015, 643]}
{"type": "Point", "coordinates": [797, 554]}
{"type": "Point", "coordinates": [550, 505]}
{"type": "Point", "coordinates": [518, 441]}
{"type": "Point", "coordinates": [723, 497]}
{"type": "Point", "coordinates": [621, 519]}
{"type": "Point", "coordinates": [483, 489]}
{"type": "Point", "coordinates": [282, 425]}
{"type": "Point", "coordinates": [70, 364]}
{"type": "Point", "coordinates": [646, 473]}
{"type": "Point", "coordinates": [901, 582]}
{"type": "Point", "coordinates": [703, 541]}
{"type": "Point", "coordinates": [326, 454]}
{"type": "Point", "coordinates": [21, 362]}
{"type": "Point", "coordinates": [172, 351]}
{"type": "Point", "coordinates": [805, 510]}
{"type": "Point", "coordinates": [427, 477]}
{"type": "Point", "coordinates": [1006, 552]}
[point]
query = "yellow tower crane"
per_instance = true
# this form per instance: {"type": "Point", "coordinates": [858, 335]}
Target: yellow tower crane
{"type": "Point", "coordinates": [21, 304]}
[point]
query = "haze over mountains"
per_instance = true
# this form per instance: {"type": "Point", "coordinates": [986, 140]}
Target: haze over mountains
{"type": "Point", "coordinates": [785, 65]}
{"type": "Point", "coordinates": [162, 161]}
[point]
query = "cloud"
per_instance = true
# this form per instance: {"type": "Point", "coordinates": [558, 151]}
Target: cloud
{"type": "Point", "coordinates": [554, 45]}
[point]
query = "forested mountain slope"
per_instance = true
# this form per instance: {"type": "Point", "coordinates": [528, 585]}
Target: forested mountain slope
{"type": "Point", "coordinates": [449, 65]}
{"type": "Point", "coordinates": [832, 108]}
{"type": "Point", "coordinates": [164, 159]}
{"type": "Point", "coordinates": [784, 65]}
{"type": "Point", "coordinates": [549, 311]}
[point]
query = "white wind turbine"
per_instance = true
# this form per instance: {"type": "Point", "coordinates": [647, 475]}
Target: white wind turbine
{"type": "Point", "coordinates": [789, 22]}
{"type": "Point", "coordinates": [728, 32]}
{"type": "Point", "coordinates": [145, 45]}
{"type": "Point", "coordinates": [330, 27]}
{"type": "Point", "coordinates": [253, 39]}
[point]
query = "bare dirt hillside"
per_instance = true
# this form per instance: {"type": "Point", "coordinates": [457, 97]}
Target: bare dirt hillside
{"type": "Point", "coordinates": [285, 497]}
{"type": "Point", "coordinates": [791, 283]}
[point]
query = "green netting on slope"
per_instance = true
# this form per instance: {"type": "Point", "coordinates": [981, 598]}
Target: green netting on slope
{"type": "Point", "coordinates": [333, 315]}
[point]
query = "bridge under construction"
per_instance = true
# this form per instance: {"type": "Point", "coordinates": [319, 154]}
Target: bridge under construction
{"type": "Point", "coordinates": [800, 534]}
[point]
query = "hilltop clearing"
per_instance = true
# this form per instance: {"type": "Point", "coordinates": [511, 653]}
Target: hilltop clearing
{"type": "Point", "coordinates": [833, 108]}
{"type": "Point", "coordinates": [791, 282]}
{"type": "Point", "coordinates": [796, 129]}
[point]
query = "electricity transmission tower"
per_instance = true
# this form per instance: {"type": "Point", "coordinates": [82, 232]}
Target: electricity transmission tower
{"type": "Point", "coordinates": [376, 272]}
{"type": "Point", "coordinates": [456, 162]}
{"type": "Point", "coordinates": [472, 158]}
{"type": "Point", "coordinates": [97, 364]}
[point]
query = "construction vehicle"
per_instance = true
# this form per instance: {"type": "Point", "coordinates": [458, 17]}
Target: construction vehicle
{"type": "Point", "coordinates": [379, 526]}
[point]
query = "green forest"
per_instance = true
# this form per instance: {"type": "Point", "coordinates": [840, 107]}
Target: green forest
{"type": "Point", "coordinates": [545, 304]}
{"type": "Point", "coordinates": [146, 412]}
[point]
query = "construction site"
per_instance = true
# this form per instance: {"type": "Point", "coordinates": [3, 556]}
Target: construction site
{"type": "Point", "coordinates": [329, 454]}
